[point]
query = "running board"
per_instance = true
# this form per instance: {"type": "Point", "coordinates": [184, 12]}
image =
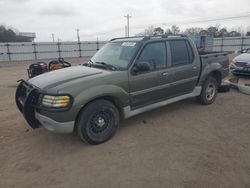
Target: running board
{"type": "Point", "coordinates": [129, 113]}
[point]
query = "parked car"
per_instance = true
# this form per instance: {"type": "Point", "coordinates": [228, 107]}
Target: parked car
{"type": "Point", "coordinates": [241, 64]}
{"type": "Point", "coordinates": [245, 50]}
{"type": "Point", "coordinates": [126, 77]}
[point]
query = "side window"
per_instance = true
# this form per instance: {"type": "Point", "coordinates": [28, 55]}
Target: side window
{"type": "Point", "coordinates": [155, 55]}
{"type": "Point", "coordinates": [181, 52]}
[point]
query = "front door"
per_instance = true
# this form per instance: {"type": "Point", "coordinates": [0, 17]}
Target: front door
{"type": "Point", "coordinates": [147, 87]}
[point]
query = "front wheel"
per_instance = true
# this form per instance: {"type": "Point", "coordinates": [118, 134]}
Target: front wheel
{"type": "Point", "coordinates": [208, 92]}
{"type": "Point", "coordinates": [98, 122]}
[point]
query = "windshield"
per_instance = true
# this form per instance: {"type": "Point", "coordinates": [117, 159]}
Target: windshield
{"type": "Point", "coordinates": [116, 54]}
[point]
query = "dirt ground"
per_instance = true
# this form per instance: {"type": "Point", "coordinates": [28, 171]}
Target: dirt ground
{"type": "Point", "coordinates": [181, 145]}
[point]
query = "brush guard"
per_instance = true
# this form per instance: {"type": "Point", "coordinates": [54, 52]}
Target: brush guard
{"type": "Point", "coordinates": [26, 99]}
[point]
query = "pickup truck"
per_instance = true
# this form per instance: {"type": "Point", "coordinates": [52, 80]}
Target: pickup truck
{"type": "Point", "coordinates": [126, 77]}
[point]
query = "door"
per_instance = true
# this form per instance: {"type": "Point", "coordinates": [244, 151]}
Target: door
{"type": "Point", "coordinates": [184, 67]}
{"type": "Point", "coordinates": [149, 86]}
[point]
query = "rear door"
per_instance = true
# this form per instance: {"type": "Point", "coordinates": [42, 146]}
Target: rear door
{"type": "Point", "coordinates": [184, 67]}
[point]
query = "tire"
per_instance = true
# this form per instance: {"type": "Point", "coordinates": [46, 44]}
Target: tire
{"type": "Point", "coordinates": [224, 87]}
{"type": "Point", "coordinates": [98, 122]}
{"type": "Point", "coordinates": [208, 92]}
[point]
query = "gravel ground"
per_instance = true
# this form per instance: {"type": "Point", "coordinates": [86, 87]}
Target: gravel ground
{"type": "Point", "coordinates": [180, 145]}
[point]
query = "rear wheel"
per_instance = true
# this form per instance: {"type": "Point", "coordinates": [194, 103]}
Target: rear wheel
{"type": "Point", "coordinates": [208, 92]}
{"type": "Point", "coordinates": [98, 122]}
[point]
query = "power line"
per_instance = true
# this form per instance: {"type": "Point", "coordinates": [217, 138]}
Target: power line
{"type": "Point", "coordinates": [198, 20]}
{"type": "Point", "coordinates": [213, 19]}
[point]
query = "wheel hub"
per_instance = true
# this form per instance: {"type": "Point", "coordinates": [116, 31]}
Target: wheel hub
{"type": "Point", "coordinates": [210, 91]}
{"type": "Point", "coordinates": [100, 122]}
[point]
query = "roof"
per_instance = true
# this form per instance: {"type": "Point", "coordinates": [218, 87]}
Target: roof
{"type": "Point", "coordinates": [145, 38]}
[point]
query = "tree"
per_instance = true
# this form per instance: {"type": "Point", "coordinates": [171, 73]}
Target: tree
{"type": "Point", "coordinates": [222, 32]}
{"type": "Point", "coordinates": [175, 29]}
{"type": "Point", "coordinates": [241, 30]}
{"type": "Point", "coordinates": [168, 32]}
{"type": "Point", "coordinates": [213, 31]}
{"type": "Point", "coordinates": [8, 35]}
{"type": "Point", "coordinates": [234, 34]}
{"type": "Point", "coordinates": [248, 31]}
{"type": "Point", "coordinates": [147, 32]}
{"type": "Point", "coordinates": [193, 31]}
{"type": "Point", "coordinates": [158, 31]}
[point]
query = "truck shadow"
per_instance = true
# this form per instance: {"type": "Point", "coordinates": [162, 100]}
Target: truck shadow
{"type": "Point", "coordinates": [158, 113]}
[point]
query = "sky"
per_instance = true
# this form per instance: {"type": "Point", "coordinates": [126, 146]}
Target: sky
{"type": "Point", "coordinates": [105, 19]}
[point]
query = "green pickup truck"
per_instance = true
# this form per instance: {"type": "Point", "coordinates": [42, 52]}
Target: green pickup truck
{"type": "Point", "coordinates": [124, 78]}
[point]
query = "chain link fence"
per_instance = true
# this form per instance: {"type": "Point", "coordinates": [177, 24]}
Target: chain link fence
{"type": "Point", "coordinates": [47, 50]}
{"type": "Point", "coordinates": [231, 44]}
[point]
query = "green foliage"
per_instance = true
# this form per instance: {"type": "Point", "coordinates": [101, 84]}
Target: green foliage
{"type": "Point", "coordinates": [158, 31]}
{"type": "Point", "coordinates": [216, 31]}
{"type": "Point", "coordinates": [8, 35]}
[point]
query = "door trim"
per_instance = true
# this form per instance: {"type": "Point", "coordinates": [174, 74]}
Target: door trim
{"type": "Point", "coordinates": [127, 112]}
{"type": "Point", "coordinates": [162, 86]}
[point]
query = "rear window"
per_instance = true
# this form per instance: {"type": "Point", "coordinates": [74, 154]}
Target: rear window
{"type": "Point", "coordinates": [181, 52]}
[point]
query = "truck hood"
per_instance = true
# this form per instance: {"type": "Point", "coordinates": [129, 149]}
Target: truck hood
{"type": "Point", "coordinates": [243, 58]}
{"type": "Point", "coordinates": [55, 78]}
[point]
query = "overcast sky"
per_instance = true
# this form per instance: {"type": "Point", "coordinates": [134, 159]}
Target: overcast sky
{"type": "Point", "coordinates": [105, 19]}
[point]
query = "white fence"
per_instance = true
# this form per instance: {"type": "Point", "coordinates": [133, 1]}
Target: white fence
{"type": "Point", "coordinates": [231, 43]}
{"type": "Point", "coordinates": [47, 50]}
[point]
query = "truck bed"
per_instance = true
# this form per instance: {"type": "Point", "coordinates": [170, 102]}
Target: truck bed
{"type": "Point", "coordinates": [215, 60]}
{"type": "Point", "coordinates": [219, 57]}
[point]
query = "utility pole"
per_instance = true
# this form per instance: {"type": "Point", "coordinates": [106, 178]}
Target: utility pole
{"type": "Point", "coordinates": [126, 29]}
{"type": "Point", "coordinates": [127, 17]}
{"type": "Point", "coordinates": [78, 36]}
{"type": "Point", "coordinates": [79, 42]}
{"type": "Point", "coordinates": [53, 37]}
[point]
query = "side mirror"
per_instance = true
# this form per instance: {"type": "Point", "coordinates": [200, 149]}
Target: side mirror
{"type": "Point", "coordinates": [142, 67]}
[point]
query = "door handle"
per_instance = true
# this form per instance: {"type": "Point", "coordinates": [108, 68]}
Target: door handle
{"type": "Point", "coordinates": [194, 67]}
{"type": "Point", "coordinates": [164, 74]}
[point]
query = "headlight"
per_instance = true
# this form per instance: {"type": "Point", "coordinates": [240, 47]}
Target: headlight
{"type": "Point", "coordinates": [56, 101]}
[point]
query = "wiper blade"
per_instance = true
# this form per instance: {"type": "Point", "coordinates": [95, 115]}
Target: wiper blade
{"type": "Point", "coordinates": [112, 67]}
{"type": "Point", "coordinates": [89, 63]}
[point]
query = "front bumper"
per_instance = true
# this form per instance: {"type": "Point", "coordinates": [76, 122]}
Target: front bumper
{"type": "Point", "coordinates": [240, 70]}
{"type": "Point", "coordinates": [54, 126]}
{"type": "Point", "coordinates": [27, 99]}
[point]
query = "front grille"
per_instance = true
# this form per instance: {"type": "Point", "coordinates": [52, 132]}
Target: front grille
{"type": "Point", "coordinates": [241, 64]}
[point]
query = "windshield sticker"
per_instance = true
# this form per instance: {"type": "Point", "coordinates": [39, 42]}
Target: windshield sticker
{"type": "Point", "coordinates": [129, 44]}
